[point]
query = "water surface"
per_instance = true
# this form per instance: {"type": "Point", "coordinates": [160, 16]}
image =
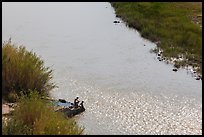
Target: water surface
{"type": "Point", "coordinates": [125, 88]}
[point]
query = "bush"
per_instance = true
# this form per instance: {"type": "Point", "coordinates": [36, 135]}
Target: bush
{"type": "Point", "coordinates": [23, 70]}
{"type": "Point", "coordinates": [35, 116]}
{"type": "Point", "coordinates": [12, 97]}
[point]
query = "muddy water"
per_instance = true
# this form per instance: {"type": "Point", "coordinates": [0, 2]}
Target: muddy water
{"type": "Point", "coordinates": [125, 88]}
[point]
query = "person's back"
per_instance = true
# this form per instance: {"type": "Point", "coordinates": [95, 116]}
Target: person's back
{"type": "Point", "coordinates": [81, 104]}
{"type": "Point", "coordinates": [76, 102]}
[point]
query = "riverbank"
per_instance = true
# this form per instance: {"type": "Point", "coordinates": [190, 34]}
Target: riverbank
{"type": "Point", "coordinates": [107, 64]}
{"type": "Point", "coordinates": [174, 26]}
{"type": "Point", "coordinates": [26, 82]}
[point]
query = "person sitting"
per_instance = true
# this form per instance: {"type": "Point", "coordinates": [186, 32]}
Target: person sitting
{"type": "Point", "coordinates": [76, 102]}
{"type": "Point", "coordinates": [82, 106]}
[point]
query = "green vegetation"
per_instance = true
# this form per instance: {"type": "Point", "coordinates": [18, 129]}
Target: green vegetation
{"type": "Point", "coordinates": [174, 25]}
{"type": "Point", "coordinates": [26, 81]}
{"type": "Point", "coordinates": [35, 116]}
{"type": "Point", "coordinates": [23, 71]}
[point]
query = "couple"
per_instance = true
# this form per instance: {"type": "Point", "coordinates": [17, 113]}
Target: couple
{"type": "Point", "coordinates": [76, 102]}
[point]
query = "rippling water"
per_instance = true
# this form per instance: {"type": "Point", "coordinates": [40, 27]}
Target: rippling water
{"type": "Point", "coordinates": [125, 88]}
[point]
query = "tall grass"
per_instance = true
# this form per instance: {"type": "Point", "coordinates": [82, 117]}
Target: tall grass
{"type": "Point", "coordinates": [35, 116]}
{"type": "Point", "coordinates": [168, 22]}
{"type": "Point", "coordinates": [23, 70]}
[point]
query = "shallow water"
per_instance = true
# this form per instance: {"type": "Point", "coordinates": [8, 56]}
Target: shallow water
{"type": "Point", "coordinates": [125, 88]}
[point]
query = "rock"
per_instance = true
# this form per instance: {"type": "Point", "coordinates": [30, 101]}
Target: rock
{"type": "Point", "coordinates": [116, 21]}
{"type": "Point", "coordinates": [175, 69]}
{"type": "Point", "coordinates": [159, 58]}
{"type": "Point", "coordinates": [62, 101]}
{"type": "Point", "coordinates": [7, 108]}
{"type": "Point", "coordinates": [70, 112]}
{"type": "Point", "coordinates": [197, 78]}
{"type": "Point", "coordinates": [69, 109]}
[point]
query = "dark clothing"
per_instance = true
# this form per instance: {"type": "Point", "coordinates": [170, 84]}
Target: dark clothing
{"type": "Point", "coordinates": [81, 104]}
{"type": "Point", "coordinates": [76, 102]}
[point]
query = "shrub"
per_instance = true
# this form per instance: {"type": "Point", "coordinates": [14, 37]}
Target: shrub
{"type": "Point", "coordinates": [23, 70]}
{"type": "Point", "coordinates": [35, 116]}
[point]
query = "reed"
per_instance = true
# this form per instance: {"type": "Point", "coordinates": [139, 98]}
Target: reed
{"type": "Point", "coordinates": [35, 116]}
{"type": "Point", "coordinates": [23, 70]}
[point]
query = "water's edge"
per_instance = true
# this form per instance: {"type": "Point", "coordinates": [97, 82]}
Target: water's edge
{"type": "Point", "coordinates": [125, 89]}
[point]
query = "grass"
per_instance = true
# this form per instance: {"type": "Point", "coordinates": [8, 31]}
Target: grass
{"type": "Point", "coordinates": [176, 25]}
{"type": "Point", "coordinates": [23, 70]}
{"type": "Point", "coordinates": [26, 81]}
{"type": "Point", "coordinates": [35, 116]}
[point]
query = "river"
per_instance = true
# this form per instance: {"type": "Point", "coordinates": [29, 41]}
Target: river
{"type": "Point", "coordinates": [125, 89]}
